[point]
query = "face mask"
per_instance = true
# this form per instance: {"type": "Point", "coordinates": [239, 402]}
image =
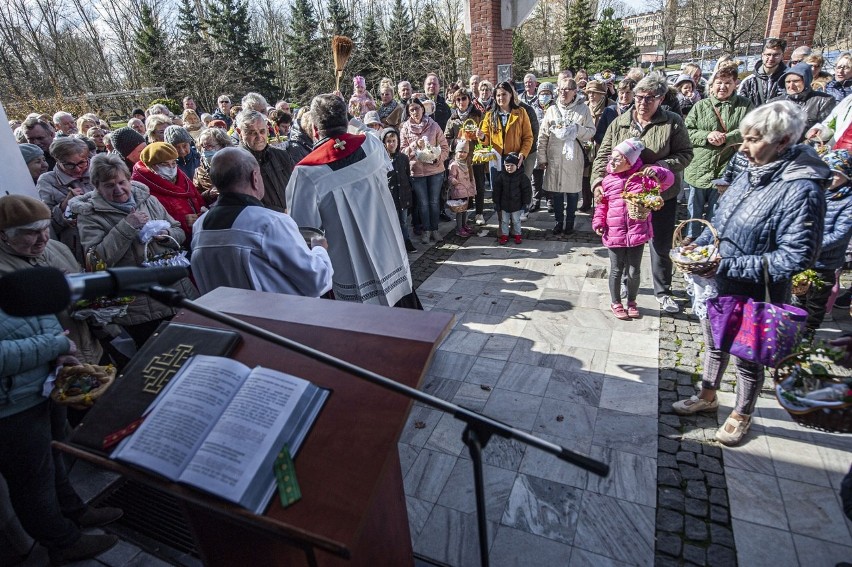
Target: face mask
{"type": "Point", "coordinates": [544, 99]}
{"type": "Point", "coordinates": [167, 172]}
{"type": "Point", "coordinates": [208, 154]}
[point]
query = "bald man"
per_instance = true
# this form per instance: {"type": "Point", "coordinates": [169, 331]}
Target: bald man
{"type": "Point", "coordinates": [240, 243]}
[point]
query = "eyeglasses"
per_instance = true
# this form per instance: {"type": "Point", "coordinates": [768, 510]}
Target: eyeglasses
{"type": "Point", "coordinates": [646, 98]}
{"type": "Point", "coordinates": [225, 101]}
{"type": "Point", "coordinates": [844, 67]}
{"type": "Point", "coordinates": [77, 165]}
{"type": "Point", "coordinates": [464, 97]}
{"type": "Point", "coordinates": [567, 90]}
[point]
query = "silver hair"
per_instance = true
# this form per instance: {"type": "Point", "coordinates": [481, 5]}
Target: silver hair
{"type": "Point", "coordinates": [254, 101]}
{"type": "Point", "coordinates": [20, 137]}
{"type": "Point", "coordinates": [105, 167]}
{"type": "Point", "coordinates": [63, 148]}
{"type": "Point", "coordinates": [399, 84]}
{"type": "Point", "coordinates": [206, 118]}
{"type": "Point", "coordinates": [60, 115]}
{"type": "Point", "coordinates": [155, 120]}
{"type": "Point", "coordinates": [12, 232]}
{"type": "Point", "coordinates": [133, 121]}
{"type": "Point", "coordinates": [528, 75]}
{"type": "Point", "coordinates": [775, 120]}
{"type": "Point", "coordinates": [217, 135]}
{"type": "Point", "coordinates": [653, 83]}
{"type": "Point", "coordinates": [159, 109]}
{"type": "Point", "coordinates": [249, 116]}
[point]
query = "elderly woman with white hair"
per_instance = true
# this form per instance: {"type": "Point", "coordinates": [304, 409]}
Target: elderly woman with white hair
{"type": "Point", "coordinates": [667, 144]}
{"type": "Point", "coordinates": [773, 212]}
{"type": "Point", "coordinates": [155, 127]}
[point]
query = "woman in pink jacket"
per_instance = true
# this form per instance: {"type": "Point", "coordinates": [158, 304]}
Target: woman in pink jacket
{"type": "Point", "coordinates": [625, 237]}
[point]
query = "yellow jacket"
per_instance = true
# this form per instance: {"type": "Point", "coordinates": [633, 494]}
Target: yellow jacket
{"type": "Point", "coordinates": [517, 136]}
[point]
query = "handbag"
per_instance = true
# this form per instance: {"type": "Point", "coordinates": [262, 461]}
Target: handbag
{"type": "Point", "coordinates": [758, 331]}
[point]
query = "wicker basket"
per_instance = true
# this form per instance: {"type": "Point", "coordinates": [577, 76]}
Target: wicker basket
{"type": "Point", "coordinates": [468, 130]}
{"type": "Point", "coordinates": [175, 257]}
{"type": "Point", "coordinates": [836, 419]}
{"type": "Point", "coordinates": [458, 205]}
{"type": "Point", "coordinates": [693, 267]}
{"type": "Point", "coordinates": [79, 386]}
{"type": "Point", "coordinates": [801, 289]}
{"type": "Point", "coordinates": [636, 211]}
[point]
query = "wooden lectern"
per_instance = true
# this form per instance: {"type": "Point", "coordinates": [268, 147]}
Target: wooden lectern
{"type": "Point", "coordinates": [352, 510]}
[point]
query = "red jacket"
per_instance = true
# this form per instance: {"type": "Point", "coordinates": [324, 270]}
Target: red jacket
{"type": "Point", "coordinates": [180, 199]}
{"type": "Point", "coordinates": [620, 231]}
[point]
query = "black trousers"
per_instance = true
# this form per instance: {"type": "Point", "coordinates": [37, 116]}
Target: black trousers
{"type": "Point", "coordinates": [663, 222]}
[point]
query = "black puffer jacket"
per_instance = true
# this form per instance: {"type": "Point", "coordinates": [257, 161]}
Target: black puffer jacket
{"type": "Point", "coordinates": [780, 216]}
{"type": "Point", "coordinates": [512, 191]}
{"type": "Point", "coordinates": [760, 87]}
{"type": "Point", "coordinates": [817, 105]}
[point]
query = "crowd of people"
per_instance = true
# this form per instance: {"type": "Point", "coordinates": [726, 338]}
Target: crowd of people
{"type": "Point", "coordinates": [327, 200]}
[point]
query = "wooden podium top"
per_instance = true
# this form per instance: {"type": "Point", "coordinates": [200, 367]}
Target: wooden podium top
{"type": "Point", "coordinates": [355, 436]}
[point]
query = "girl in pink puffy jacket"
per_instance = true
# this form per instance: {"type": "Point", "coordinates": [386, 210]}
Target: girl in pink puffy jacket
{"type": "Point", "coordinates": [625, 237]}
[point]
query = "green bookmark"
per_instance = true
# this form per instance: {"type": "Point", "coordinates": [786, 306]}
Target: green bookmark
{"type": "Point", "coordinates": [285, 475]}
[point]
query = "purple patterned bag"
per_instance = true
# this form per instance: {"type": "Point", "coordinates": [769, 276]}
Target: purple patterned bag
{"type": "Point", "coordinates": [757, 331]}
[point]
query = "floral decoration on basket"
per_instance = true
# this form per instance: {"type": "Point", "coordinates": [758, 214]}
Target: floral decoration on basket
{"type": "Point", "coordinates": [101, 310]}
{"type": "Point", "coordinates": [641, 203]}
{"type": "Point", "coordinates": [815, 389]}
{"type": "Point", "coordinates": [468, 130]}
{"type": "Point", "coordinates": [698, 259]}
{"type": "Point", "coordinates": [483, 154]}
{"type": "Point", "coordinates": [79, 386]}
{"type": "Point", "coordinates": [803, 281]}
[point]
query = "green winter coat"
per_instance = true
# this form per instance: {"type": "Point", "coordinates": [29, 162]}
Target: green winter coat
{"type": "Point", "coordinates": [710, 161]}
{"type": "Point", "coordinates": [666, 144]}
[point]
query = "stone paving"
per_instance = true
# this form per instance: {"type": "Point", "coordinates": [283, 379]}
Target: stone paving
{"type": "Point", "coordinates": [534, 345]}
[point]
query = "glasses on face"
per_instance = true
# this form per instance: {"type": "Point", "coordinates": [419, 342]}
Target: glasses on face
{"type": "Point", "coordinates": [463, 97]}
{"type": "Point", "coordinates": [75, 165]}
{"type": "Point", "coordinates": [645, 98]}
{"type": "Point", "coordinates": [772, 55]}
{"type": "Point", "coordinates": [566, 90]}
{"type": "Point", "coordinates": [844, 67]}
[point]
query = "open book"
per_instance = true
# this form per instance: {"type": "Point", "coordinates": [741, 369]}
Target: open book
{"type": "Point", "coordinates": [218, 426]}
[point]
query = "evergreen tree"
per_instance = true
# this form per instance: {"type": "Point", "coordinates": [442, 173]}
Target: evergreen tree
{"type": "Point", "coordinates": [242, 60]}
{"type": "Point", "coordinates": [153, 57]}
{"type": "Point", "coordinates": [368, 57]}
{"type": "Point", "coordinates": [430, 46]}
{"type": "Point", "coordinates": [611, 45]}
{"type": "Point", "coordinates": [304, 51]}
{"type": "Point", "coordinates": [400, 48]}
{"type": "Point", "coordinates": [522, 55]}
{"type": "Point", "coordinates": [576, 43]}
{"type": "Point", "coordinates": [340, 22]}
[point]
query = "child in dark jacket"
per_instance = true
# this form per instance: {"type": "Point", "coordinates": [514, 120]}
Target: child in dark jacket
{"type": "Point", "coordinates": [512, 191]}
{"type": "Point", "coordinates": [835, 238]}
{"type": "Point", "coordinates": [399, 182]}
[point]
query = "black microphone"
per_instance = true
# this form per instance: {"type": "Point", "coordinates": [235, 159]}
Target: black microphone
{"type": "Point", "coordinates": [41, 291]}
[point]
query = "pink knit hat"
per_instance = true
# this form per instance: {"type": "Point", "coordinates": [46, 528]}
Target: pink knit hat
{"type": "Point", "coordinates": [630, 149]}
{"type": "Point", "coordinates": [359, 81]}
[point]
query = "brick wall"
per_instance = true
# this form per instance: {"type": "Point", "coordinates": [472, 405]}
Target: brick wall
{"type": "Point", "coordinates": [490, 44]}
{"type": "Point", "coordinates": [794, 21]}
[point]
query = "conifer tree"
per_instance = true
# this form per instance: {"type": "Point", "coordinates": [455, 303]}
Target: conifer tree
{"type": "Point", "coordinates": [522, 55]}
{"type": "Point", "coordinates": [576, 42]}
{"type": "Point", "coordinates": [400, 46]}
{"type": "Point", "coordinates": [429, 46]}
{"type": "Point", "coordinates": [151, 47]}
{"type": "Point", "coordinates": [368, 57]}
{"type": "Point", "coordinates": [304, 52]}
{"type": "Point", "coordinates": [611, 46]}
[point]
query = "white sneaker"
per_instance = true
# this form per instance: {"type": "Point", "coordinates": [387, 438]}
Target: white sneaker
{"type": "Point", "coordinates": [524, 216]}
{"type": "Point", "coordinates": [480, 219]}
{"type": "Point", "coordinates": [424, 238]}
{"type": "Point", "coordinates": [668, 304]}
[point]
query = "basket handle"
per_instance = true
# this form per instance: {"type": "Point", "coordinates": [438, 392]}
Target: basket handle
{"type": "Point", "coordinates": [641, 174]}
{"type": "Point", "coordinates": [169, 236]}
{"type": "Point", "coordinates": [677, 238]}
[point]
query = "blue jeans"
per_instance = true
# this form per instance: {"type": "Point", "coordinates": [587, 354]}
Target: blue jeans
{"type": "Point", "coordinates": [505, 217]}
{"type": "Point", "coordinates": [403, 223]}
{"type": "Point", "coordinates": [427, 190]}
{"type": "Point", "coordinates": [699, 199]}
{"type": "Point", "coordinates": [569, 202]}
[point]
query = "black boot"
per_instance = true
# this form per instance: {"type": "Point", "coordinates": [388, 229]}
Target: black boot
{"type": "Point", "coordinates": [87, 546]}
{"type": "Point", "coordinates": [97, 517]}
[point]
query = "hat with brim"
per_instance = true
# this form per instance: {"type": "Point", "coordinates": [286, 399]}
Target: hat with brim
{"type": "Point", "coordinates": [158, 152]}
{"type": "Point", "coordinates": [21, 210]}
{"type": "Point", "coordinates": [595, 87]}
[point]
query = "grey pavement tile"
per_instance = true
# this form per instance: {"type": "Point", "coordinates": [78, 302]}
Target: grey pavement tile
{"type": "Point", "coordinates": [512, 325]}
{"type": "Point", "coordinates": [630, 397]}
{"type": "Point", "coordinates": [88, 480]}
{"type": "Point", "coordinates": [571, 421]}
{"type": "Point", "coordinates": [564, 282]}
{"type": "Point", "coordinates": [513, 408]}
{"type": "Point", "coordinates": [541, 464]}
{"type": "Point", "coordinates": [482, 273]}
{"type": "Point", "coordinates": [578, 387]}
{"type": "Point", "coordinates": [596, 339]}
{"type": "Point", "coordinates": [813, 551]}
{"type": "Point", "coordinates": [797, 460]}
{"type": "Point", "coordinates": [428, 475]}
{"type": "Point", "coordinates": [576, 359]}
{"type": "Point", "coordinates": [641, 343]}
{"type": "Point", "coordinates": [836, 463]}
{"type": "Point", "coordinates": [459, 493]}
{"type": "Point", "coordinates": [756, 498]}
{"type": "Point", "coordinates": [544, 332]}
{"type": "Point", "coordinates": [499, 346]}
{"type": "Point", "coordinates": [449, 271]}
{"type": "Point", "coordinates": [563, 299]}
{"type": "Point", "coordinates": [407, 456]}
{"type": "Point", "coordinates": [617, 529]}
{"type": "Point", "coordinates": [634, 368]}
{"type": "Point", "coordinates": [455, 302]}
{"type": "Point", "coordinates": [814, 511]}
{"type": "Point", "coordinates": [447, 435]}
{"type": "Point", "coordinates": [464, 342]}
{"type": "Point", "coordinates": [588, 317]}
{"type": "Point", "coordinates": [430, 300]}
{"type": "Point", "coordinates": [570, 269]}
{"type": "Point", "coordinates": [631, 477]}
{"type": "Point", "coordinates": [490, 304]}
{"type": "Point", "coordinates": [595, 285]}
{"type": "Point", "coordinates": [751, 455]}
{"type": "Point", "coordinates": [517, 548]}
{"type": "Point", "coordinates": [521, 306]}
{"type": "Point", "coordinates": [443, 388]}
{"type": "Point", "coordinates": [476, 322]}
{"type": "Point", "coordinates": [145, 560]}
{"type": "Point", "coordinates": [450, 536]}
{"type": "Point", "coordinates": [418, 427]}
{"type": "Point", "coordinates": [446, 364]}
{"type": "Point", "coordinates": [472, 396]}
{"type": "Point", "coordinates": [509, 288]}
{"type": "Point", "coordinates": [583, 558]}
{"type": "Point", "coordinates": [467, 287]}
{"type": "Point", "coordinates": [120, 555]}
{"type": "Point", "coordinates": [530, 352]}
{"type": "Point", "coordinates": [418, 513]}
{"type": "Point", "coordinates": [772, 419]}
{"type": "Point", "coordinates": [436, 283]}
{"type": "Point", "coordinates": [486, 371]}
{"type": "Point", "coordinates": [524, 378]}
{"type": "Point", "coordinates": [626, 432]}
{"type": "Point", "coordinates": [763, 546]}
{"type": "Point", "coordinates": [544, 508]}
{"type": "Point", "coordinates": [501, 452]}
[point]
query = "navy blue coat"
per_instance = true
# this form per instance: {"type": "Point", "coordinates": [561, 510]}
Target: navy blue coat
{"type": "Point", "coordinates": [837, 233]}
{"type": "Point", "coordinates": [781, 217]}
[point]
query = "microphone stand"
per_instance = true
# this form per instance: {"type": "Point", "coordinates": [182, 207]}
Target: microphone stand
{"type": "Point", "coordinates": [478, 429]}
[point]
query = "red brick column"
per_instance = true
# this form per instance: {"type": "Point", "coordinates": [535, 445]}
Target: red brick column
{"type": "Point", "coordinates": [794, 21]}
{"type": "Point", "coordinates": [490, 45]}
